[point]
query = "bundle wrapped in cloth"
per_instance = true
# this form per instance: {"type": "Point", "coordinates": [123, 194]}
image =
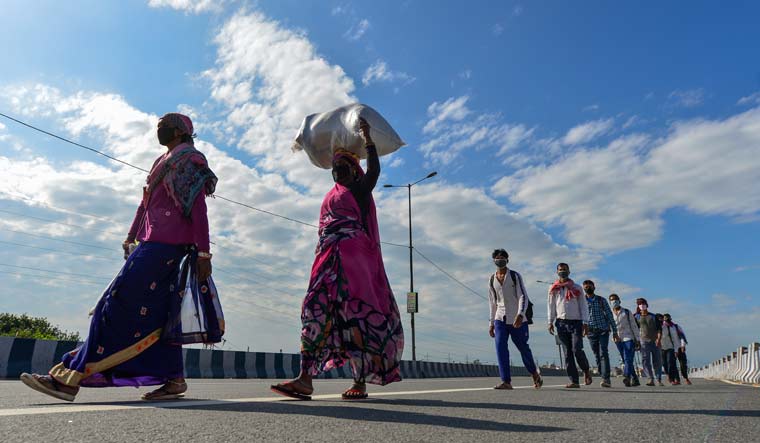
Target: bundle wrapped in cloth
{"type": "Point", "coordinates": [321, 134]}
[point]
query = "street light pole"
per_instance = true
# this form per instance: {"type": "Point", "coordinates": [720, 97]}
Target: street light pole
{"type": "Point", "coordinates": [411, 269]}
{"type": "Point", "coordinates": [411, 255]}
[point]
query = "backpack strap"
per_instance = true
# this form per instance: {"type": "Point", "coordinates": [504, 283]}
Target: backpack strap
{"type": "Point", "coordinates": [495, 294]}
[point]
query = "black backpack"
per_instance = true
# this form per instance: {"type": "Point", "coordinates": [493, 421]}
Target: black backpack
{"type": "Point", "coordinates": [529, 310]}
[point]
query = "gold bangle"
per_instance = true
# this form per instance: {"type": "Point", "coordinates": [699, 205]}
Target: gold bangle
{"type": "Point", "coordinates": [204, 255]}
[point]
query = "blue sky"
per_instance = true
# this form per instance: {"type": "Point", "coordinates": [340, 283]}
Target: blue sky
{"type": "Point", "coordinates": [622, 138]}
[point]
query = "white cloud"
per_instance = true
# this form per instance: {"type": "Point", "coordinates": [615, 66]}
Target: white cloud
{"type": "Point", "coordinates": [466, 74]}
{"type": "Point", "coordinates": [587, 132]}
{"type": "Point", "coordinates": [594, 107]}
{"type": "Point", "coordinates": [255, 246]}
{"type": "Point", "coordinates": [752, 99]}
{"type": "Point", "coordinates": [688, 98]}
{"type": "Point", "coordinates": [517, 10]}
{"type": "Point", "coordinates": [497, 29]}
{"type": "Point", "coordinates": [284, 80]}
{"type": "Point", "coordinates": [189, 6]}
{"type": "Point", "coordinates": [358, 30]}
{"type": "Point", "coordinates": [379, 72]}
{"type": "Point", "coordinates": [454, 128]}
{"type": "Point", "coordinates": [707, 167]}
{"type": "Point", "coordinates": [339, 10]}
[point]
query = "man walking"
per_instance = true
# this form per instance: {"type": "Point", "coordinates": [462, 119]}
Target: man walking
{"type": "Point", "coordinates": [681, 355]}
{"type": "Point", "coordinates": [601, 322]}
{"type": "Point", "coordinates": [650, 334]}
{"type": "Point", "coordinates": [568, 312]}
{"type": "Point", "coordinates": [508, 302]}
{"type": "Point", "coordinates": [628, 331]}
{"type": "Point", "coordinates": [670, 342]}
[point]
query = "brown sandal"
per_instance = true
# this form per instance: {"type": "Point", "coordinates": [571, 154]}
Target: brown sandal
{"type": "Point", "coordinates": [287, 389]}
{"type": "Point", "coordinates": [163, 392]}
{"type": "Point", "coordinates": [48, 386]}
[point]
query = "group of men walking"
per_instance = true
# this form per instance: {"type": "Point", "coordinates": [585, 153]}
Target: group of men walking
{"type": "Point", "coordinates": [574, 312]}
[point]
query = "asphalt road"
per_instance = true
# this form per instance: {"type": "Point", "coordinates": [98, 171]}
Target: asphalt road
{"type": "Point", "coordinates": [439, 410]}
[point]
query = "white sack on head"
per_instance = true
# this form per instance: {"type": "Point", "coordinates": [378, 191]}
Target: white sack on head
{"type": "Point", "coordinates": [321, 134]}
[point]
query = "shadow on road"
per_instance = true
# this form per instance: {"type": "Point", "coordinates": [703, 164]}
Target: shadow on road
{"type": "Point", "coordinates": [353, 412]}
{"type": "Point", "coordinates": [532, 408]}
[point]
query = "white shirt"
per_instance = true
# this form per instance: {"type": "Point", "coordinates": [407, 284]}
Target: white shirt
{"type": "Point", "coordinates": [670, 337]}
{"type": "Point", "coordinates": [574, 309]}
{"type": "Point", "coordinates": [507, 299]}
{"type": "Point", "coordinates": [626, 324]}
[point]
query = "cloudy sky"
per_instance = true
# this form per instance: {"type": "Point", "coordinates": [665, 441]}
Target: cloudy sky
{"type": "Point", "coordinates": [623, 139]}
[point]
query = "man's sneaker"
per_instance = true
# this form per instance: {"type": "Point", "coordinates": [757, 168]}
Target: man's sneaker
{"type": "Point", "coordinates": [635, 382]}
{"type": "Point", "coordinates": [626, 382]}
{"type": "Point", "coordinates": [605, 384]}
{"type": "Point", "coordinates": [676, 383]}
{"type": "Point", "coordinates": [659, 383]}
{"type": "Point", "coordinates": [688, 382]}
{"type": "Point", "coordinates": [651, 383]}
{"type": "Point", "coordinates": [572, 386]}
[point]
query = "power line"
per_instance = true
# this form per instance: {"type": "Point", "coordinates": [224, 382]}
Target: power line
{"type": "Point", "coordinates": [72, 142]}
{"type": "Point", "coordinates": [54, 272]}
{"type": "Point", "coordinates": [225, 198]}
{"type": "Point", "coordinates": [55, 208]}
{"type": "Point", "coordinates": [58, 239]}
{"type": "Point", "coordinates": [47, 277]}
{"type": "Point", "coordinates": [47, 220]}
{"type": "Point", "coordinates": [101, 257]}
{"type": "Point", "coordinates": [245, 205]}
{"type": "Point", "coordinates": [448, 275]}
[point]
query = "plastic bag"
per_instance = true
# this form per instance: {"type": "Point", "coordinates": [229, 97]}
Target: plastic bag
{"type": "Point", "coordinates": [195, 313]}
{"type": "Point", "coordinates": [321, 134]}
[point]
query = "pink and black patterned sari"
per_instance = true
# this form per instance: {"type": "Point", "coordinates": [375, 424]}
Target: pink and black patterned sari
{"type": "Point", "coordinates": [349, 314]}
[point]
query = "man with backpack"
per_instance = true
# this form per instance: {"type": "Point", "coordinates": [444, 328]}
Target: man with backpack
{"type": "Point", "coordinates": [510, 314]}
{"type": "Point", "coordinates": [650, 334]}
{"type": "Point", "coordinates": [601, 322]}
{"type": "Point", "coordinates": [628, 331]}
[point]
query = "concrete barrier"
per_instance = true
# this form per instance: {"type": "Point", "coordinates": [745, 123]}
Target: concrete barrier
{"type": "Point", "coordinates": [19, 355]}
{"type": "Point", "coordinates": [742, 366]}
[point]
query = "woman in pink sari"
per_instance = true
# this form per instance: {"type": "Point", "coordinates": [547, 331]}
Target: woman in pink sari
{"type": "Point", "coordinates": [349, 314]}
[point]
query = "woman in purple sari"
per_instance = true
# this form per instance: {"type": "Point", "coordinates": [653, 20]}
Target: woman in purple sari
{"type": "Point", "coordinates": [132, 341]}
{"type": "Point", "coordinates": [349, 314]}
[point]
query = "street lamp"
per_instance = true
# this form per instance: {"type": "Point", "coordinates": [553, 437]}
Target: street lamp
{"type": "Point", "coordinates": [412, 294]}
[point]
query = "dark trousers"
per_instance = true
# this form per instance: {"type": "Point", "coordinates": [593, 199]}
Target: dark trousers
{"type": "Point", "coordinates": [570, 333]}
{"type": "Point", "coordinates": [520, 338]}
{"type": "Point", "coordinates": [684, 363]}
{"type": "Point", "coordinates": [600, 341]}
{"type": "Point", "coordinates": [670, 364]}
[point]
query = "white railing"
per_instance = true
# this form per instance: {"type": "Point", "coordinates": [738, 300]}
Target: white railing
{"type": "Point", "coordinates": [741, 366]}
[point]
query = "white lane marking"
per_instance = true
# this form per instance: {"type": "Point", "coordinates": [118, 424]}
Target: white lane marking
{"type": "Point", "coordinates": [69, 409]}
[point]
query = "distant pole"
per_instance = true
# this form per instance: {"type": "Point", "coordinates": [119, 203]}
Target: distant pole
{"type": "Point", "coordinates": [411, 258]}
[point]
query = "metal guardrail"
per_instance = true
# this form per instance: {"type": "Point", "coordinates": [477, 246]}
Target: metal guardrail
{"type": "Point", "coordinates": [740, 366]}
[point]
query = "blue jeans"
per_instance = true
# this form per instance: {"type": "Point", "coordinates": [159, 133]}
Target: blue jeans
{"type": "Point", "coordinates": [627, 350]}
{"type": "Point", "coordinates": [600, 341]}
{"type": "Point", "coordinates": [520, 338]}
{"type": "Point", "coordinates": [570, 334]}
{"type": "Point", "coordinates": [651, 358]}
